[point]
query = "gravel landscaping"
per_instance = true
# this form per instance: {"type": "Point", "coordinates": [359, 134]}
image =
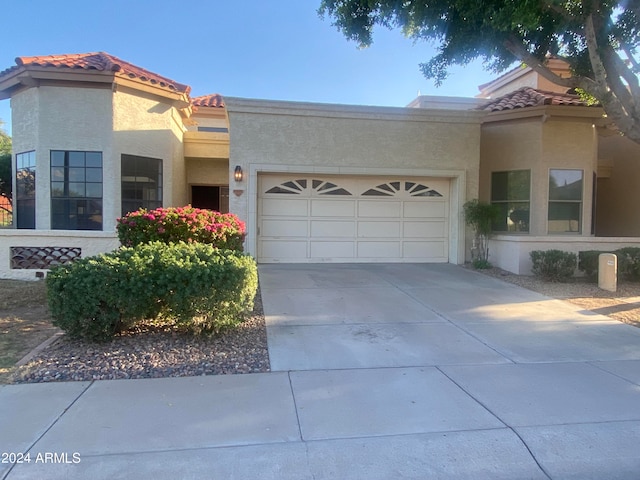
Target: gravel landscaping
{"type": "Point", "coordinates": [151, 352]}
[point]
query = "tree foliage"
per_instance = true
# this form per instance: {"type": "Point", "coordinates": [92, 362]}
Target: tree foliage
{"type": "Point", "coordinates": [480, 216]}
{"type": "Point", "coordinates": [5, 176]}
{"type": "Point", "coordinates": [5, 141]}
{"type": "Point", "coordinates": [597, 38]}
{"type": "Point", "coordinates": [5, 166]}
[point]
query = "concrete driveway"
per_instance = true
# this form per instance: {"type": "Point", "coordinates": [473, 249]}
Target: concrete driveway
{"type": "Point", "coordinates": [379, 372]}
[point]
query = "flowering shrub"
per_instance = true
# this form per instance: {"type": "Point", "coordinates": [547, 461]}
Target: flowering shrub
{"type": "Point", "coordinates": [183, 224]}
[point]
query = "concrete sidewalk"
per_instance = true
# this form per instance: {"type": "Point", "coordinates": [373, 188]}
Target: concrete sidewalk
{"type": "Point", "coordinates": [379, 372]}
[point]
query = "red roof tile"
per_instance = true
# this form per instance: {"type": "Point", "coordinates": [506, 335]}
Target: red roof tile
{"type": "Point", "coordinates": [103, 62]}
{"type": "Point", "coordinates": [213, 100]}
{"type": "Point", "coordinates": [530, 97]}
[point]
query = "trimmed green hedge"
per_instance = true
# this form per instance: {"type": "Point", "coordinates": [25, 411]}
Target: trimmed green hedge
{"type": "Point", "coordinates": [588, 261]}
{"type": "Point", "coordinates": [197, 286]}
{"type": "Point", "coordinates": [553, 265]}
{"type": "Point", "coordinates": [628, 263]}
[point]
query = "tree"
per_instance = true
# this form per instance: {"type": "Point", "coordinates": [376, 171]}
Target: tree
{"type": "Point", "coordinates": [599, 39]}
{"type": "Point", "coordinates": [5, 141]}
{"type": "Point", "coordinates": [480, 216]}
{"type": "Point", "coordinates": [5, 169]}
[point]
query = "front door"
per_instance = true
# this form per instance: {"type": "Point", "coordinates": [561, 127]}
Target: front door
{"type": "Point", "coordinates": [210, 197]}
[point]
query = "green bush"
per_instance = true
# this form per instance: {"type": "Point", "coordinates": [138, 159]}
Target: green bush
{"type": "Point", "coordinates": [183, 224]}
{"type": "Point", "coordinates": [481, 264]}
{"type": "Point", "coordinates": [629, 262]}
{"type": "Point", "coordinates": [553, 265]}
{"type": "Point", "coordinates": [588, 262]}
{"type": "Point", "coordinates": [196, 286]}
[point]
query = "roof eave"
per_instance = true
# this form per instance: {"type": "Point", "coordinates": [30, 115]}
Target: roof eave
{"type": "Point", "coordinates": [545, 112]}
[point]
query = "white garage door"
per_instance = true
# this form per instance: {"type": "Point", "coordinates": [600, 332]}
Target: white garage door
{"type": "Point", "coordinates": [315, 218]}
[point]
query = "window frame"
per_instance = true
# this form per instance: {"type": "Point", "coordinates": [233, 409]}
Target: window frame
{"type": "Point", "coordinates": [19, 198]}
{"type": "Point", "coordinates": [143, 203]}
{"type": "Point", "coordinates": [580, 202]}
{"type": "Point", "coordinates": [508, 201]}
{"type": "Point", "coordinates": [92, 203]}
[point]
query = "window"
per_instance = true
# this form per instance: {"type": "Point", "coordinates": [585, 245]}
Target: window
{"type": "Point", "coordinates": [76, 190]}
{"type": "Point", "coordinates": [26, 190]}
{"type": "Point", "coordinates": [565, 201]}
{"type": "Point", "coordinates": [141, 183]}
{"type": "Point", "coordinates": [511, 192]}
{"type": "Point", "coordinates": [213, 129]}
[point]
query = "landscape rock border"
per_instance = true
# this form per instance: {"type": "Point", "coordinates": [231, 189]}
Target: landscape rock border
{"type": "Point", "coordinates": [151, 351]}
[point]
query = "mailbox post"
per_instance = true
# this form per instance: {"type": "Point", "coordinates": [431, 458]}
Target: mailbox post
{"type": "Point", "coordinates": [608, 272]}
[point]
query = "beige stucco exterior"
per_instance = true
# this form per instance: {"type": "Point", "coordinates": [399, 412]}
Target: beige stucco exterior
{"type": "Point", "coordinates": [618, 193]}
{"type": "Point", "coordinates": [443, 137]}
{"type": "Point", "coordinates": [267, 136]}
{"type": "Point", "coordinates": [144, 125]}
{"type": "Point", "coordinates": [113, 121]}
{"type": "Point", "coordinates": [543, 138]}
{"type": "Point", "coordinates": [91, 243]}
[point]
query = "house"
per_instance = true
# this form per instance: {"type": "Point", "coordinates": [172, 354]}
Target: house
{"type": "Point", "coordinates": [95, 137]}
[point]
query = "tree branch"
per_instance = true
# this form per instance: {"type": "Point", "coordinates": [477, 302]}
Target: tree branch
{"type": "Point", "coordinates": [518, 50]}
{"type": "Point", "coordinates": [554, 7]}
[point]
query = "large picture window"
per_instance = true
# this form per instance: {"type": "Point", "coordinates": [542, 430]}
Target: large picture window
{"type": "Point", "coordinates": [565, 201]}
{"type": "Point", "coordinates": [141, 183]}
{"type": "Point", "coordinates": [511, 192]}
{"type": "Point", "coordinates": [76, 190]}
{"type": "Point", "coordinates": [26, 190]}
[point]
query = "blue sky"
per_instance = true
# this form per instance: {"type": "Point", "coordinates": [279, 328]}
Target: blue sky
{"type": "Point", "coordinates": [278, 49]}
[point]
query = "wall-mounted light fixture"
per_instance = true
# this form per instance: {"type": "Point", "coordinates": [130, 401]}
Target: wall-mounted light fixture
{"type": "Point", "coordinates": [238, 174]}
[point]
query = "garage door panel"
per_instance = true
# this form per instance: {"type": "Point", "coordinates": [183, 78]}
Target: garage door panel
{"type": "Point", "coordinates": [342, 218]}
{"type": "Point", "coordinates": [335, 228]}
{"type": "Point", "coordinates": [435, 229]}
{"type": "Point", "coordinates": [332, 208]}
{"type": "Point", "coordinates": [284, 249]}
{"type": "Point", "coordinates": [379, 229]}
{"type": "Point", "coordinates": [379, 208]}
{"type": "Point", "coordinates": [425, 209]}
{"type": "Point", "coordinates": [284, 228]}
{"type": "Point", "coordinates": [327, 249]}
{"type": "Point", "coordinates": [281, 207]}
{"type": "Point", "coordinates": [379, 249]}
{"type": "Point", "coordinates": [433, 251]}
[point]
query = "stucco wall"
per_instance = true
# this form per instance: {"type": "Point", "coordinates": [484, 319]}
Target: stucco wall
{"type": "Point", "coordinates": [97, 119]}
{"type": "Point", "coordinates": [205, 171]}
{"type": "Point", "coordinates": [618, 196]}
{"type": "Point", "coordinates": [338, 139]}
{"type": "Point", "coordinates": [145, 126]}
{"type": "Point", "coordinates": [24, 117]}
{"type": "Point", "coordinates": [515, 145]}
{"type": "Point", "coordinates": [91, 243]}
{"type": "Point", "coordinates": [62, 119]}
{"type": "Point", "coordinates": [539, 144]}
{"type": "Point", "coordinates": [512, 253]}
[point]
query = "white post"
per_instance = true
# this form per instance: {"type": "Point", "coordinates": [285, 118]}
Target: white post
{"type": "Point", "coordinates": [608, 272]}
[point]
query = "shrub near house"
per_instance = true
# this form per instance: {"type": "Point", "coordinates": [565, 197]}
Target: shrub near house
{"type": "Point", "coordinates": [197, 285]}
{"type": "Point", "coordinates": [182, 224]}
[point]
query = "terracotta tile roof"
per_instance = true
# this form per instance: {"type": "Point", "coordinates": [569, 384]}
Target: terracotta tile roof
{"type": "Point", "coordinates": [213, 100]}
{"type": "Point", "coordinates": [99, 61]}
{"type": "Point", "coordinates": [530, 97]}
